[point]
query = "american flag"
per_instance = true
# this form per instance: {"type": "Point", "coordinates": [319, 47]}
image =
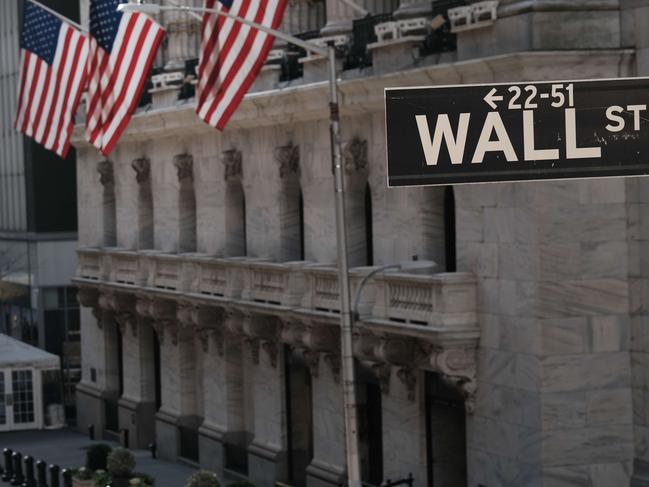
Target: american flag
{"type": "Point", "coordinates": [52, 77]}
{"type": "Point", "coordinates": [122, 48]}
{"type": "Point", "coordinates": [232, 54]}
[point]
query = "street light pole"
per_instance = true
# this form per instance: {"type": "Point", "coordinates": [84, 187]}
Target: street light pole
{"type": "Point", "coordinates": [346, 318]}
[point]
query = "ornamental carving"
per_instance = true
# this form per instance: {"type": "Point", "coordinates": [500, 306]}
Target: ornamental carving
{"type": "Point", "coordinates": [312, 360]}
{"type": "Point", "coordinates": [398, 350]}
{"type": "Point", "coordinates": [355, 156]}
{"type": "Point", "coordinates": [332, 360]}
{"type": "Point", "coordinates": [105, 170]}
{"type": "Point", "coordinates": [408, 378]}
{"type": "Point", "coordinates": [125, 320]}
{"type": "Point", "coordinates": [288, 159]}
{"type": "Point", "coordinates": [253, 343]}
{"type": "Point", "coordinates": [383, 373]}
{"type": "Point", "coordinates": [457, 366]}
{"type": "Point", "coordinates": [142, 168]}
{"type": "Point", "coordinates": [204, 337]}
{"type": "Point", "coordinates": [184, 164]}
{"type": "Point", "coordinates": [272, 350]}
{"type": "Point", "coordinates": [231, 159]}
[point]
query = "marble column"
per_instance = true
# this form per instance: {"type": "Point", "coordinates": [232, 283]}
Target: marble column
{"type": "Point", "coordinates": [137, 404]}
{"type": "Point", "coordinates": [327, 468]}
{"type": "Point", "coordinates": [267, 451]}
{"type": "Point", "coordinates": [183, 36]}
{"type": "Point", "coordinates": [224, 422]}
{"type": "Point", "coordinates": [404, 426]}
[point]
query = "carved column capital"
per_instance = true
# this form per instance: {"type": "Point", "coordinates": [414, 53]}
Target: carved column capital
{"type": "Point", "coordinates": [184, 164]}
{"type": "Point", "coordinates": [355, 156]}
{"type": "Point", "coordinates": [125, 320]}
{"type": "Point", "coordinates": [106, 174]}
{"type": "Point", "coordinates": [272, 350]}
{"type": "Point", "coordinates": [408, 377]}
{"type": "Point", "coordinates": [312, 360]}
{"type": "Point", "coordinates": [333, 361]}
{"type": "Point", "coordinates": [231, 159]}
{"type": "Point", "coordinates": [142, 168]}
{"type": "Point", "coordinates": [254, 345]}
{"type": "Point", "coordinates": [288, 159]}
{"type": "Point", "coordinates": [383, 373]}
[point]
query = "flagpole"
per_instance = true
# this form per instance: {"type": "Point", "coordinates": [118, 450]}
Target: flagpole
{"type": "Point", "coordinates": [346, 318]}
{"type": "Point", "coordinates": [59, 16]}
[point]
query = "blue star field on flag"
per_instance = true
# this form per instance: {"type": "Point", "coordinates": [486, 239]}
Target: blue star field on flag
{"type": "Point", "coordinates": [40, 32]}
{"type": "Point", "coordinates": [104, 22]}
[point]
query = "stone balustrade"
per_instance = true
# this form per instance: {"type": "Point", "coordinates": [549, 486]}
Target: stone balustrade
{"type": "Point", "coordinates": [408, 319]}
{"type": "Point", "coordinates": [441, 300]}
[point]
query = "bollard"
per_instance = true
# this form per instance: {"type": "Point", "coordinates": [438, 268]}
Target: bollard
{"type": "Point", "coordinates": [153, 448]}
{"type": "Point", "coordinates": [30, 479]}
{"type": "Point", "coordinates": [54, 476]}
{"type": "Point", "coordinates": [9, 465]}
{"type": "Point", "coordinates": [91, 431]}
{"type": "Point", "coordinates": [124, 438]}
{"type": "Point", "coordinates": [67, 477]}
{"type": "Point", "coordinates": [18, 477]}
{"type": "Point", "coordinates": [41, 474]}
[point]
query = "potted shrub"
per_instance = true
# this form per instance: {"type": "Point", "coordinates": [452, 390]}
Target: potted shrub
{"type": "Point", "coordinates": [142, 479]}
{"type": "Point", "coordinates": [120, 464]}
{"type": "Point", "coordinates": [203, 478]}
{"type": "Point", "coordinates": [83, 477]}
{"type": "Point", "coordinates": [96, 457]}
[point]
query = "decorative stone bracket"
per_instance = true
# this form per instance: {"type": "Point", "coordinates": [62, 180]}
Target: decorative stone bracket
{"type": "Point", "coordinates": [355, 156]}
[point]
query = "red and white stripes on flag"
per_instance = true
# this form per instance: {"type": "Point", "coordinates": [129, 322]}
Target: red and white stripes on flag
{"type": "Point", "coordinates": [52, 77]}
{"type": "Point", "coordinates": [232, 55]}
{"type": "Point", "coordinates": [122, 48]}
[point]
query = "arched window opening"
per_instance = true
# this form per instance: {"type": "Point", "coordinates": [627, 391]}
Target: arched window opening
{"type": "Point", "coordinates": [445, 433]}
{"type": "Point", "coordinates": [302, 231]}
{"type": "Point", "coordinates": [369, 243]}
{"type": "Point", "coordinates": [235, 220]}
{"type": "Point", "coordinates": [107, 180]}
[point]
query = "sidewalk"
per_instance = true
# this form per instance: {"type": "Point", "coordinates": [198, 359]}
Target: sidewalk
{"type": "Point", "coordinates": [67, 449]}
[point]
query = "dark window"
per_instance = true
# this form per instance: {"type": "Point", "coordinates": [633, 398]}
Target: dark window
{"type": "Point", "coordinates": [157, 371]}
{"type": "Point", "coordinates": [445, 433]}
{"type": "Point", "coordinates": [449, 229]}
{"type": "Point", "coordinates": [235, 220]}
{"type": "Point", "coordinates": [369, 244]}
{"type": "Point", "coordinates": [23, 396]}
{"type": "Point", "coordinates": [302, 234]}
{"type": "Point", "coordinates": [299, 416]}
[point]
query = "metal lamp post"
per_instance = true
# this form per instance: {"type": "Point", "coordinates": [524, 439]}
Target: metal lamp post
{"type": "Point", "coordinates": [346, 319]}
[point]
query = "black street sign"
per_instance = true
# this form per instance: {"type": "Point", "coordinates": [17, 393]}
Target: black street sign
{"type": "Point", "coordinates": [517, 131]}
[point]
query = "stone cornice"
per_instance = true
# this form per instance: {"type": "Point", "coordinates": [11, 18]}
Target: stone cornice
{"type": "Point", "coordinates": [307, 102]}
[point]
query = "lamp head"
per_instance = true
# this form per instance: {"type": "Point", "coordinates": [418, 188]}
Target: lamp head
{"type": "Point", "coordinates": [145, 8]}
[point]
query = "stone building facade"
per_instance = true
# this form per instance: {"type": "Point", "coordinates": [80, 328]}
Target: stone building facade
{"type": "Point", "coordinates": [511, 348]}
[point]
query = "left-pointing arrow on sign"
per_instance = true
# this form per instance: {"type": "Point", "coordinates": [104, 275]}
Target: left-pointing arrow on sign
{"type": "Point", "coordinates": [491, 98]}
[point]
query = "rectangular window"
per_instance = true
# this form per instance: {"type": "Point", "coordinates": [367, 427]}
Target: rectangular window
{"type": "Point", "coordinates": [23, 394]}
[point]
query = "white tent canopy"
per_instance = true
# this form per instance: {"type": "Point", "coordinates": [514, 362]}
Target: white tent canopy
{"type": "Point", "coordinates": [14, 353]}
{"type": "Point", "coordinates": [30, 387]}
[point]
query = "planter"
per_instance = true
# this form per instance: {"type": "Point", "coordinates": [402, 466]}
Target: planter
{"type": "Point", "coordinates": [82, 483]}
{"type": "Point", "coordinates": [120, 482]}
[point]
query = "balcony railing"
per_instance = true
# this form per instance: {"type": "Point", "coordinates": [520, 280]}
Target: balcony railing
{"type": "Point", "coordinates": [415, 297]}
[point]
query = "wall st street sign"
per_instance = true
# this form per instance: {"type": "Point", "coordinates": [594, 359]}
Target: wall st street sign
{"type": "Point", "coordinates": [518, 131]}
